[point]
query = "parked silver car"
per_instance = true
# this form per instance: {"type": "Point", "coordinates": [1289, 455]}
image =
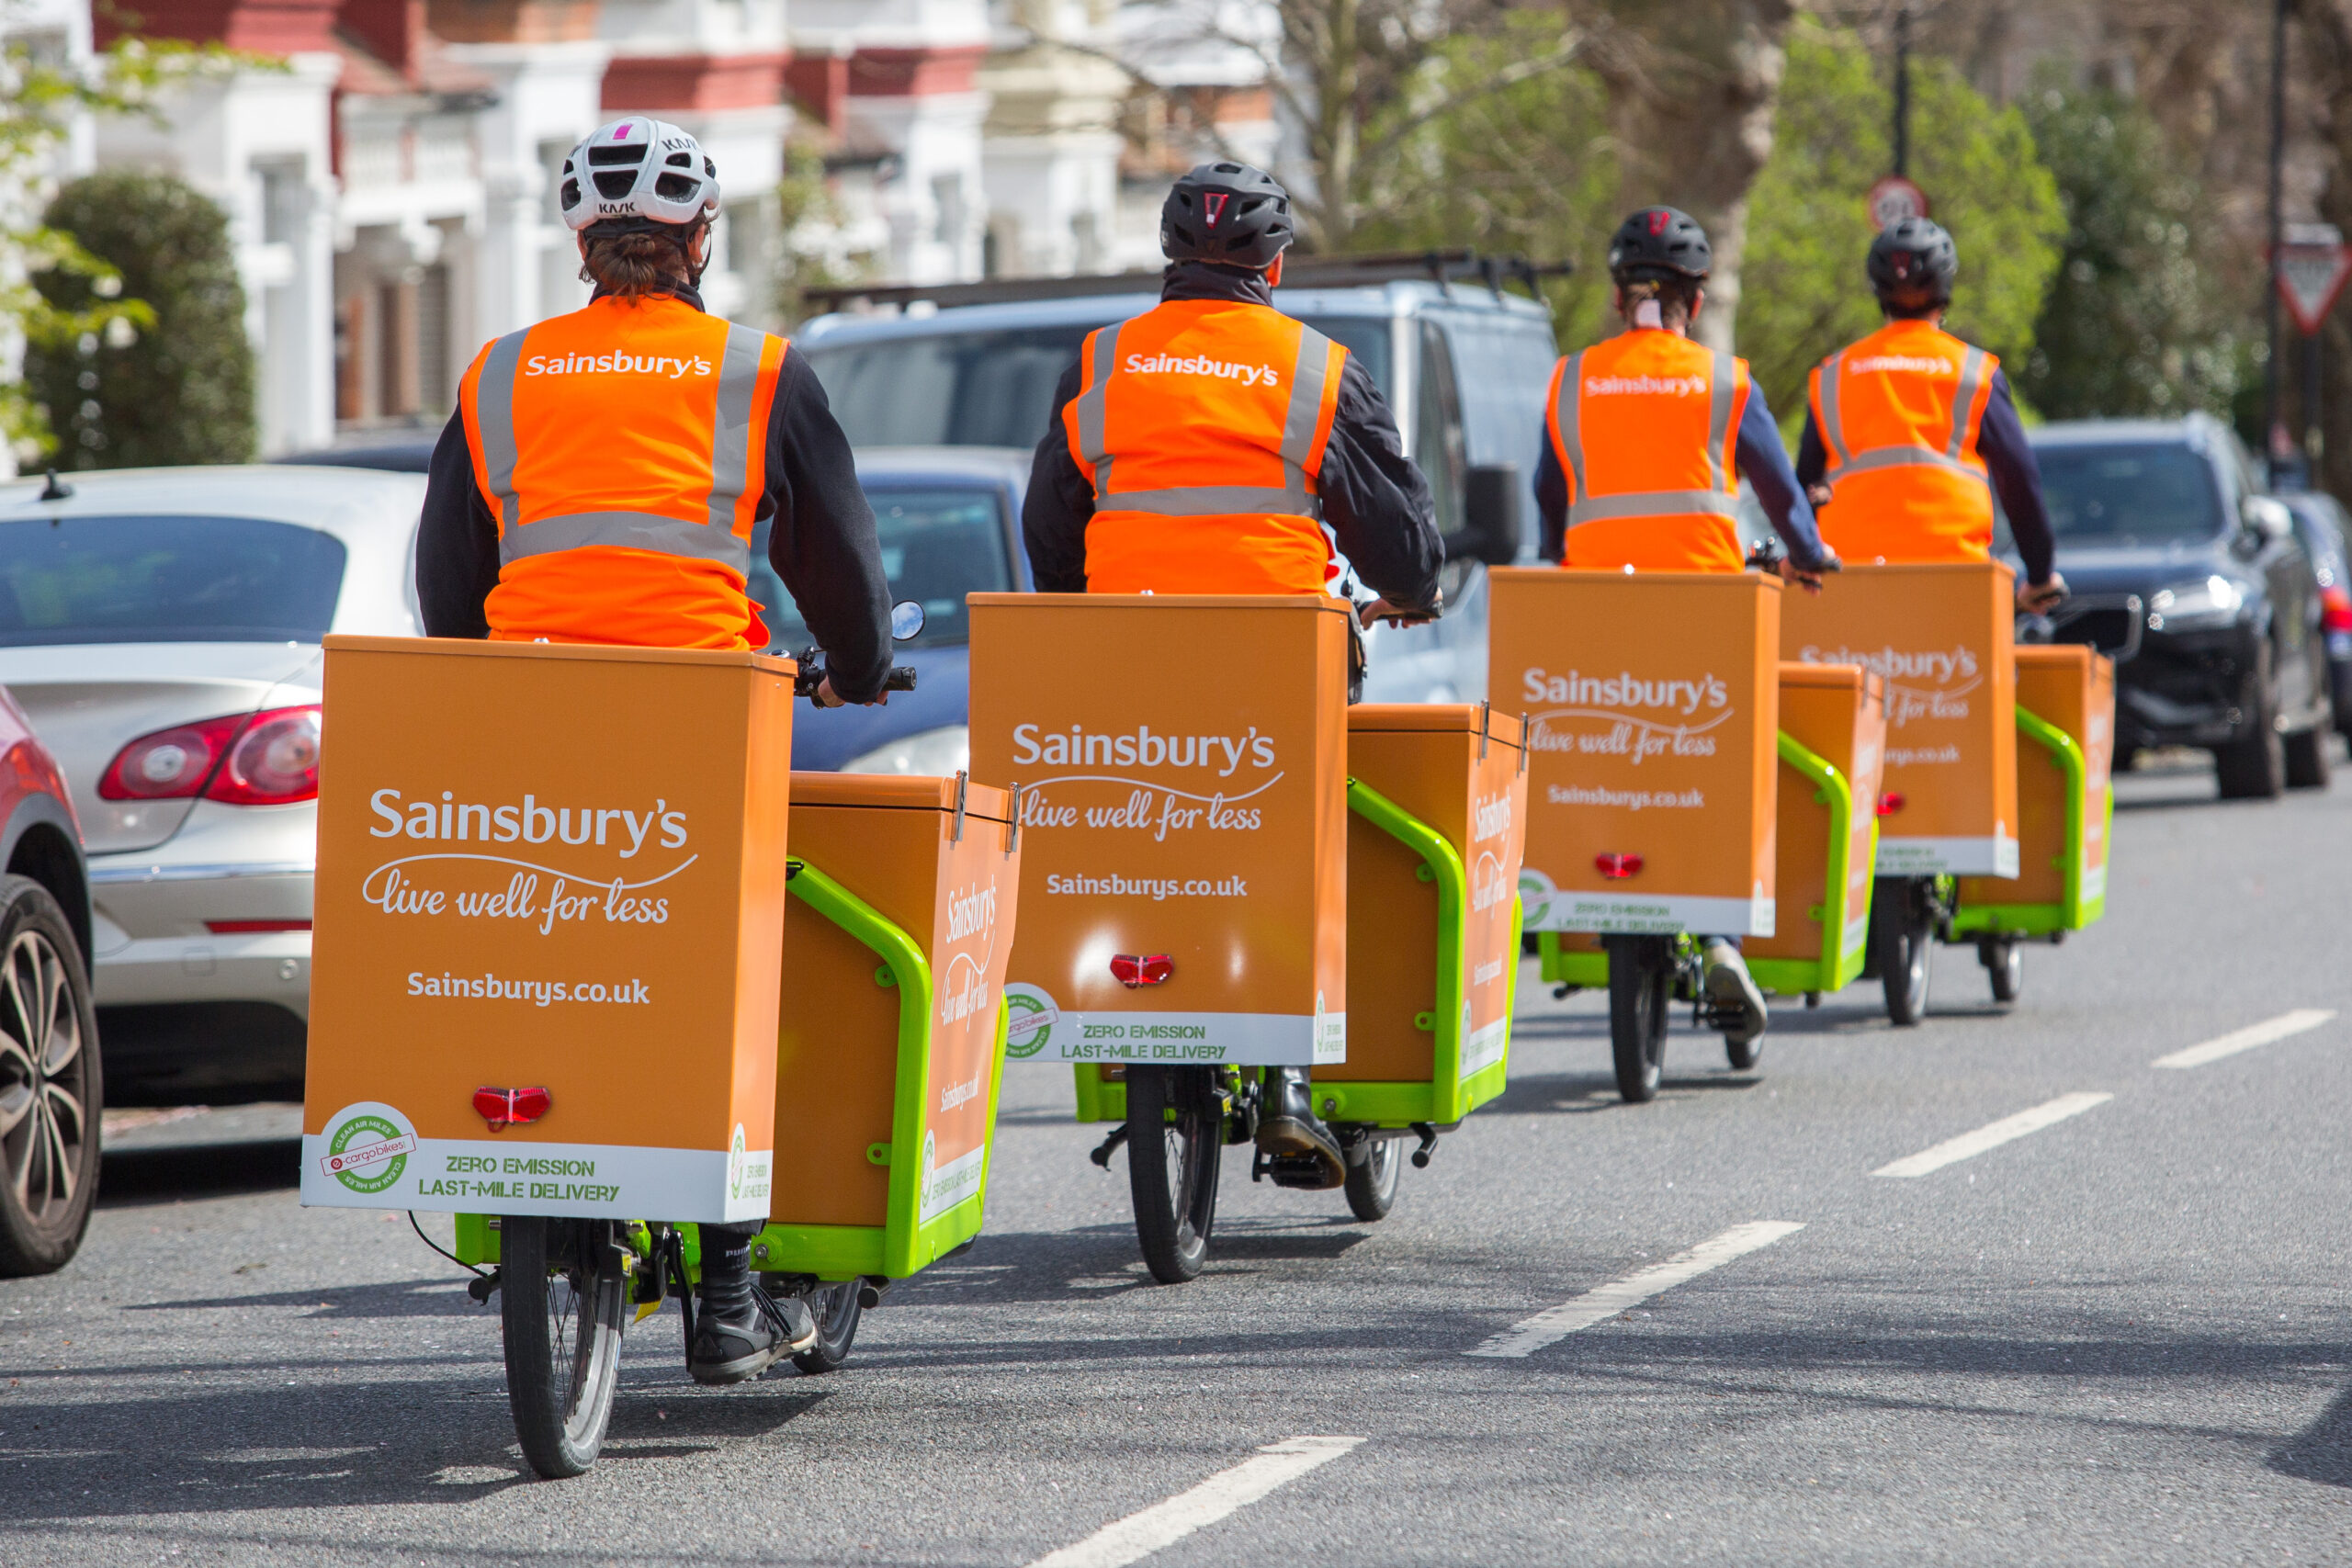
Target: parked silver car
{"type": "Point", "coordinates": [161, 628]}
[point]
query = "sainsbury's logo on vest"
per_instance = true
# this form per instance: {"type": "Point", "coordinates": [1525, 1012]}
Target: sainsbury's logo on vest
{"type": "Point", "coordinates": [616, 364]}
{"type": "Point", "coordinates": [1198, 365]}
{"type": "Point", "coordinates": [1646, 386]}
{"type": "Point", "coordinates": [1915, 364]}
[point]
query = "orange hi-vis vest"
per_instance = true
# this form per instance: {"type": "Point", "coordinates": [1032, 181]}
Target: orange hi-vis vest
{"type": "Point", "coordinates": [1644, 425]}
{"type": "Point", "coordinates": [1899, 413]}
{"type": "Point", "coordinates": [1202, 425]}
{"type": "Point", "coordinates": [623, 447]}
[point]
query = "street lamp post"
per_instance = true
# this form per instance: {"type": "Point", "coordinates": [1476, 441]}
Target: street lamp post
{"type": "Point", "coordinates": [2274, 433]}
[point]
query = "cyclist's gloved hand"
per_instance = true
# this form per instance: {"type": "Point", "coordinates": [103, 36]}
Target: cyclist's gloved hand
{"type": "Point", "coordinates": [1809, 578]}
{"type": "Point", "coordinates": [2040, 598]}
{"type": "Point", "coordinates": [826, 697]}
{"type": "Point", "coordinates": [1402, 615]}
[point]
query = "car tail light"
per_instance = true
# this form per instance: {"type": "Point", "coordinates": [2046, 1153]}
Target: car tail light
{"type": "Point", "coordinates": [1132, 970]}
{"type": "Point", "coordinates": [254, 928]}
{"type": "Point", "coordinates": [504, 1108]}
{"type": "Point", "coordinates": [2335, 609]}
{"type": "Point", "coordinates": [1617, 867]}
{"type": "Point", "coordinates": [1890, 802]}
{"type": "Point", "coordinates": [269, 758]}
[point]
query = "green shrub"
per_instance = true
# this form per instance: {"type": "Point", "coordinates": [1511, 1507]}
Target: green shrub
{"type": "Point", "coordinates": [181, 391]}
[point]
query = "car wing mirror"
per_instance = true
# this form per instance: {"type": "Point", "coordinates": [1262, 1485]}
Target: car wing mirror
{"type": "Point", "coordinates": [2267, 518]}
{"type": "Point", "coordinates": [1490, 517]}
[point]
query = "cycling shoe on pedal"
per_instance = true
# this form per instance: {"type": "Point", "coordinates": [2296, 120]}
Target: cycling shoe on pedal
{"type": "Point", "coordinates": [735, 1349]}
{"type": "Point", "coordinates": [1732, 992]}
{"type": "Point", "coordinates": [1299, 1149]}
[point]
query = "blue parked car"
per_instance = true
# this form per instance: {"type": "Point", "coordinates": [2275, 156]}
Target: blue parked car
{"type": "Point", "coordinates": [949, 520]}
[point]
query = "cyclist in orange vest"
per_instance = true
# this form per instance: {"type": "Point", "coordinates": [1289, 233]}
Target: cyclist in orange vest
{"type": "Point", "coordinates": [1647, 436]}
{"type": "Point", "coordinates": [1214, 445]}
{"type": "Point", "coordinates": [1911, 431]}
{"type": "Point", "coordinates": [599, 482]}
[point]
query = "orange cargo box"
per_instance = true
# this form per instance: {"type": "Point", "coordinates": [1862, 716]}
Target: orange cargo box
{"type": "Point", "coordinates": [1653, 701]}
{"type": "Point", "coordinates": [550, 927]}
{"type": "Point", "coordinates": [2072, 689]}
{"type": "Point", "coordinates": [1838, 714]}
{"type": "Point", "coordinates": [1940, 637]}
{"type": "Point", "coordinates": [1459, 770]}
{"type": "Point", "coordinates": [1184, 820]}
{"type": "Point", "coordinates": [939, 863]}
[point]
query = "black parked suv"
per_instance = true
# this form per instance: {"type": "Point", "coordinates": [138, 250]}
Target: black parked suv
{"type": "Point", "coordinates": [2233, 658]}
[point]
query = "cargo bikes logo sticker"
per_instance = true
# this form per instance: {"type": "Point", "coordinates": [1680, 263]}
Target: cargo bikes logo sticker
{"type": "Point", "coordinates": [1536, 891]}
{"type": "Point", "coordinates": [1031, 1015]}
{"type": "Point", "coordinates": [465, 883]}
{"type": "Point", "coordinates": [748, 1174]}
{"type": "Point", "coordinates": [368, 1148]}
{"type": "Point", "coordinates": [1624, 715]}
{"type": "Point", "coordinates": [1926, 684]}
{"type": "Point", "coordinates": [1226, 767]}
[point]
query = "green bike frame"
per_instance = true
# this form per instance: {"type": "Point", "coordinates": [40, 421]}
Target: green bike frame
{"type": "Point", "coordinates": [2074, 911]}
{"type": "Point", "coordinates": [1446, 1098]}
{"type": "Point", "coordinates": [1840, 962]}
{"type": "Point", "coordinates": [901, 1245]}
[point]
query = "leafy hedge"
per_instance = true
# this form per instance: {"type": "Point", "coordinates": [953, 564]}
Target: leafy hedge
{"type": "Point", "coordinates": [181, 391]}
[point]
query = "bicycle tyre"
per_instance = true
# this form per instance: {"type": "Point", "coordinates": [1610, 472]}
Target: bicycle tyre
{"type": "Point", "coordinates": [1905, 940]}
{"type": "Point", "coordinates": [1172, 1167]}
{"type": "Point", "coordinates": [1372, 1181]}
{"type": "Point", "coordinates": [838, 1312]}
{"type": "Point", "coordinates": [1640, 973]}
{"type": "Point", "coordinates": [561, 1307]}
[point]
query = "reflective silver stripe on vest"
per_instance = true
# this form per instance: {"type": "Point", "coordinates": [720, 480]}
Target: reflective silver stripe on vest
{"type": "Point", "coordinates": [1309, 374]}
{"type": "Point", "coordinates": [1972, 372]}
{"type": "Point", "coordinates": [730, 432]}
{"type": "Point", "coordinates": [1093, 448]}
{"type": "Point", "coordinates": [1654, 503]}
{"type": "Point", "coordinates": [1832, 427]}
{"type": "Point", "coordinates": [627, 531]}
{"type": "Point", "coordinates": [1904, 458]}
{"type": "Point", "coordinates": [494, 417]}
{"type": "Point", "coordinates": [1563, 406]}
{"type": "Point", "coordinates": [1721, 376]}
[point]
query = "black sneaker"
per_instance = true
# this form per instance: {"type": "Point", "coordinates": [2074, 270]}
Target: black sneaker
{"type": "Point", "coordinates": [732, 1350]}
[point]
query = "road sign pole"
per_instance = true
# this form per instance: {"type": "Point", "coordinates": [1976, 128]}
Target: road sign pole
{"type": "Point", "coordinates": [2314, 439]}
{"type": "Point", "coordinates": [2271, 429]}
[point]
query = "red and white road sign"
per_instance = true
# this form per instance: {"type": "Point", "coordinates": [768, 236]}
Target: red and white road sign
{"type": "Point", "coordinates": [2312, 266]}
{"type": "Point", "coordinates": [1894, 199]}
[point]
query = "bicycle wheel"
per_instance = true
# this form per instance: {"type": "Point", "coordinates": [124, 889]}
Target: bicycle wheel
{"type": "Point", "coordinates": [837, 1312]}
{"type": "Point", "coordinates": [2005, 964]}
{"type": "Point", "coordinates": [1372, 1181]}
{"type": "Point", "coordinates": [1641, 972]}
{"type": "Point", "coordinates": [1173, 1165]}
{"type": "Point", "coordinates": [1903, 929]}
{"type": "Point", "coordinates": [560, 1300]}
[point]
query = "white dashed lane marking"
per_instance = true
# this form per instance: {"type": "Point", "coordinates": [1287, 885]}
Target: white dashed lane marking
{"type": "Point", "coordinates": [2264, 1033]}
{"type": "Point", "coordinates": [1139, 1535]}
{"type": "Point", "coordinates": [1599, 1304]}
{"type": "Point", "coordinates": [1992, 1135]}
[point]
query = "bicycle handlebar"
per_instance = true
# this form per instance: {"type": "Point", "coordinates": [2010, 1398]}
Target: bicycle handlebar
{"type": "Point", "coordinates": [812, 675]}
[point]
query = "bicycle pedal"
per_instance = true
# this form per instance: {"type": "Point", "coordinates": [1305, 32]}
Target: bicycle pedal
{"type": "Point", "coordinates": [1303, 1171]}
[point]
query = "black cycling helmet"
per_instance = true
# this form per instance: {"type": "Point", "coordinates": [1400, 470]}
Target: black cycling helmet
{"type": "Point", "coordinates": [1659, 243]}
{"type": "Point", "coordinates": [1228, 213]}
{"type": "Point", "coordinates": [1912, 265]}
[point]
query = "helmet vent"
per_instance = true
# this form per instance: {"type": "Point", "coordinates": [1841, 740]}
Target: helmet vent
{"type": "Point", "coordinates": [675, 187]}
{"type": "Point", "coordinates": [601, 156]}
{"type": "Point", "coordinates": [615, 187]}
{"type": "Point", "coordinates": [570, 196]}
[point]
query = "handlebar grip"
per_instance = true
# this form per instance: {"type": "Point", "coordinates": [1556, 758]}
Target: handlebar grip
{"type": "Point", "coordinates": [900, 679]}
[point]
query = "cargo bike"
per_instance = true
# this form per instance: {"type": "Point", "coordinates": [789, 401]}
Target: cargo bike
{"type": "Point", "coordinates": [1202, 863]}
{"type": "Point", "coordinates": [557, 996]}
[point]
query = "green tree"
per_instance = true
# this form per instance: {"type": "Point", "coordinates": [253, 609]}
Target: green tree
{"type": "Point", "coordinates": [1805, 294]}
{"type": "Point", "coordinates": [2142, 319]}
{"type": "Point", "coordinates": [181, 391]}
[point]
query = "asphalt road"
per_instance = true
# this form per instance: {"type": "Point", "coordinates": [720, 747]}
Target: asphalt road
{"type": "Point", "coordinates": [2119, 1339]}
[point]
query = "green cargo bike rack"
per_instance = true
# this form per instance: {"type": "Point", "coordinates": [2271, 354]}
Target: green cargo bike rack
{"type": "Point", "coordinates": [2074, 909]}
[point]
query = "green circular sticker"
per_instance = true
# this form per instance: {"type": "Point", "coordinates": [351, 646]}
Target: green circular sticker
{"type": "Point", "coordinates": [1029, 1023]}
{"type": "Point", "coordinates": [360, 1136]}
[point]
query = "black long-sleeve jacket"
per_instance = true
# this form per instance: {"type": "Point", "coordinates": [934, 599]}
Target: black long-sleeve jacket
{"type": "Point", "coordinates": [821, 540]}
{"type": "Point", "coordinates": [1375, 500]}
{"type": "Point", "coordinates": [2009, 460]}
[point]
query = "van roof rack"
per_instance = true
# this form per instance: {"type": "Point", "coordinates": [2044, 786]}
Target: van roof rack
{"type": "Point", "coordinates": [1441, 267]}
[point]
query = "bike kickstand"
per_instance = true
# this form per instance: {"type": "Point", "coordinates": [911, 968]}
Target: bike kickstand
{"type": "Point", "coordinates": [1102, 1155]}
{"type": "Point", "coordinates": [1429, 1144]}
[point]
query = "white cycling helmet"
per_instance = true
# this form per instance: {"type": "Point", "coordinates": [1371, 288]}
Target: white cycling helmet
{"type": "Point", "coordinates": [640, 168]}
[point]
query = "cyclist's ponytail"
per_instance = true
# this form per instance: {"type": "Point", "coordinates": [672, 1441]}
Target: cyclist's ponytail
{"type": "Point", "coordinates": [631, 265]}
{"type": "Point", "coordinates": [1673, 301]}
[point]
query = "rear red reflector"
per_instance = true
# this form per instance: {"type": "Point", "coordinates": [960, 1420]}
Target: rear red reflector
{"type": "Point", "coordinates": [504, 1108]}
{"type": "Point", "coordinates": [1617, 867]}
{"type": "Point", "coordinates": [1889, 804]}
{"type": "Point", "coordinates": [2335, 609]}
{"type": "Point", "coordinates": [254, 928]}
{"type": "Point", "coordinates": [1132, 970]}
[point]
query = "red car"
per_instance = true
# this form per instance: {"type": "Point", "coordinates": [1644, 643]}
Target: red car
{"type": "Point", "coordinates": [51, 1083]}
